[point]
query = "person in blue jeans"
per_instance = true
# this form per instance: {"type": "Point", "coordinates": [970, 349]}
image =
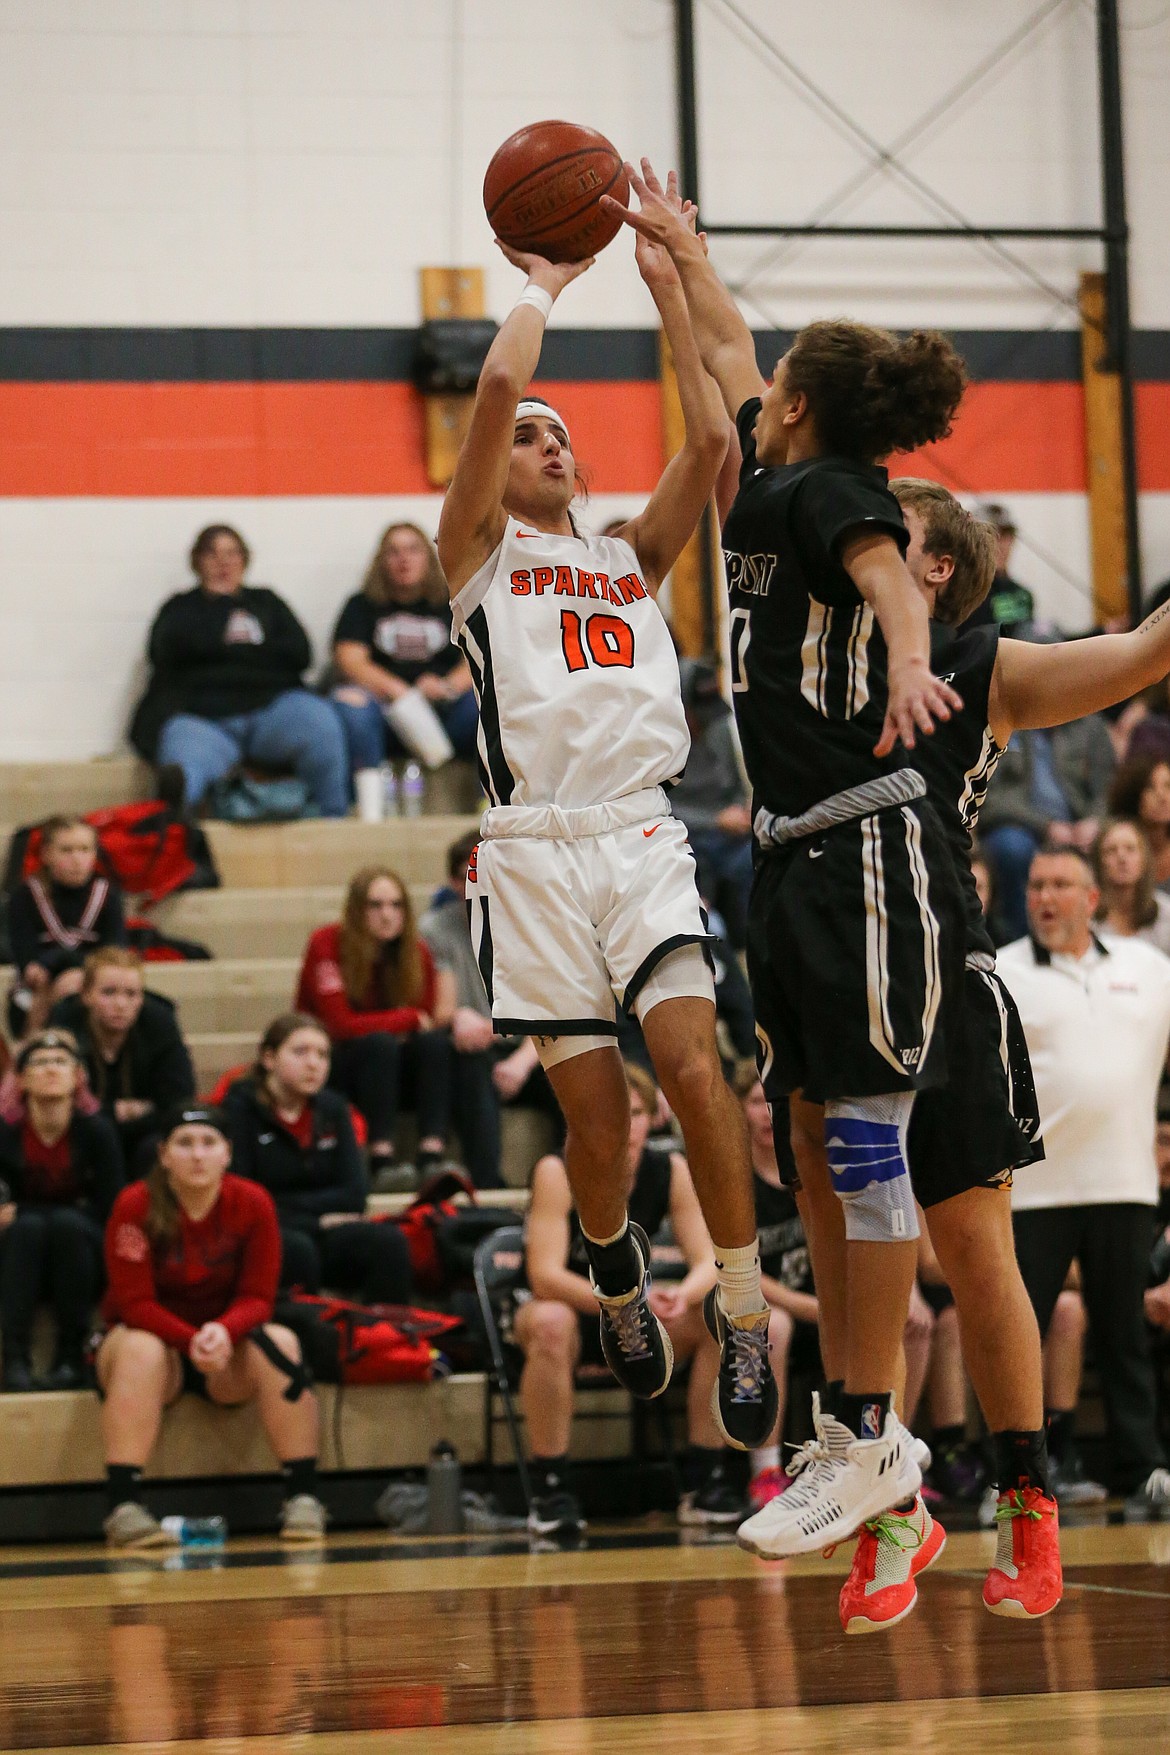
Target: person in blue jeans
{"type": "Point", "coordinates": [394, 635]}
{"type": "Point", "coordinates": [227, 661]}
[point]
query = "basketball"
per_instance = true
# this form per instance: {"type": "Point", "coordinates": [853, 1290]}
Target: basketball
{"type": "Point", "coordinates": [543, 187]}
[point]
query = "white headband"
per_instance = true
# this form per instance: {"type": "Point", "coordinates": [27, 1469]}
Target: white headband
{"type": "Point", "coordinates": [530, 408]}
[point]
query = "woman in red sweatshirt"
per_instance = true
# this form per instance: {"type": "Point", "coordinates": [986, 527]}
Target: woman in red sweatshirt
{"type": "Point", "coordinates": [373, 983]}
{"type": "Point", "coordinates": [193, 1260]}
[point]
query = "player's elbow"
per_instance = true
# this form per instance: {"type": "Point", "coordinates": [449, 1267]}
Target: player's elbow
{"type": "Point", "coordinates": [500, 385]}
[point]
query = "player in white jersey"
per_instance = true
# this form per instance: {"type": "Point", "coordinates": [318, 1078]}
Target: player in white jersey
{"type": "Point", "coordinates": [583, 892]}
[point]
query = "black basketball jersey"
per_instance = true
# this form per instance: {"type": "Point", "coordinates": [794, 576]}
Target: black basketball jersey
{"type": "Point", "coordinates": [808, 660]}
{"type": "Point", "coordinates": [958, 761]}
{"type": "Point", "coordinates": [648, 1205]}
{"type": "Point", "coordinates": [783, 1246]}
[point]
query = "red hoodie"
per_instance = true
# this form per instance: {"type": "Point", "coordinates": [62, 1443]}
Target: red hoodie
{"type": "Point", "coordinates": [321, 991]}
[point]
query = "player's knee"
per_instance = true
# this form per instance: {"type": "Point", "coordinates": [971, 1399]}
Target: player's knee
{"type": "Point", "coordinates": [865, 1144]}
{"type": "Point", "coordinates": [692, 1078]}
{"type": "Point", "coordinates": [552, 1331]}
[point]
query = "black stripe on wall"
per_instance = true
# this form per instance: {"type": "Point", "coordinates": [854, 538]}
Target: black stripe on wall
{"type": "Point", "coordinates": [249, 356]}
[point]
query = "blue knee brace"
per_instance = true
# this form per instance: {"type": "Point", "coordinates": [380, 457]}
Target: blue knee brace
{"type": "Point", "coordinates": [865, 1144]}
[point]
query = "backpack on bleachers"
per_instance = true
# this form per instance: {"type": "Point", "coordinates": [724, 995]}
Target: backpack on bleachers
{"type": "Point", "coordinates": [148, 849]}
{"type": "Point", "coordinates": [442, 1237]}
{"type": "Point", "coordinates": [343, 1342]}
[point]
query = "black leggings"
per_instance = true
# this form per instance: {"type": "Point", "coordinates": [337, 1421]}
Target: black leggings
{"type": "Point", "coordinates": [367, 1259]}
{"type": "Point", "coordinates": [378, 1073]}
{"type": "Point", "coordinates": [52, 1254]}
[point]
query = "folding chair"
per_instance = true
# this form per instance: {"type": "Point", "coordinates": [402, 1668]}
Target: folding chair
{"type": "Point", "coordinates": [498, 1271]}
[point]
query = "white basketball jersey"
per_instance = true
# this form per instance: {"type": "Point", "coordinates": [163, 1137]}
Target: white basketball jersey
{"type": "Point", "coordinates": [574, 670]}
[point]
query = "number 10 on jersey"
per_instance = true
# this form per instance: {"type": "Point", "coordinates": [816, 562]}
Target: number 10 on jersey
{"type": "Point", "coordinates": [605, 639]}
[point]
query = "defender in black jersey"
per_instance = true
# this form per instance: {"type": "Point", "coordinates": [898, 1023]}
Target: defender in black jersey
{"type": "Point", "coordinates": [855, 937]}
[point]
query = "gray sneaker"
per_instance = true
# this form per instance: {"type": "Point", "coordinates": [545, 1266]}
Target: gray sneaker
{"type": "Point", "coordinates": [303, 1519]}
{"type": "Point", "coordinates": [130, 1525]}
{"type": "Point", "coordinates": [1151, 1500]}
{"type": "Point", "coordinates": [1071, 1486]}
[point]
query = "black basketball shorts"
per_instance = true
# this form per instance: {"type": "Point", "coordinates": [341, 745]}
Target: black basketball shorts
{"type": "Point", "coordinates": [855, 957]}
{"type": "Point", "coordinates": [974, 1131]}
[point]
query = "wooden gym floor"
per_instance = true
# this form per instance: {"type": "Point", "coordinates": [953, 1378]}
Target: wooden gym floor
{"type": "Point", "coordinates": [644, 1642]}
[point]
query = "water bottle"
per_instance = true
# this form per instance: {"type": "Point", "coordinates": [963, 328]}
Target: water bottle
{"type": "Point", "coordinates": [389, 790]}
{"type": "Point", "coordinates": [412, 790]}
{"type": "Point", "coordinates": [444, 1492]}
{"type": "Point", "coordinates": [197, 1532]}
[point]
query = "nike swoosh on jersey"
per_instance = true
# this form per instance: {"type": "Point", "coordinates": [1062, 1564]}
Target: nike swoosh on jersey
{"type": "Point", "coordinates": [528, 535]}
{"type": "Point", "coordinates": [816, 853]}
{"type": "Point", "coordinates": [653, 831]}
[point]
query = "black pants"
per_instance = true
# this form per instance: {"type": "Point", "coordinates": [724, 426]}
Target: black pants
{"type": "Point", "coordinates": [369, 1261]}
{"type": "Point", "coordinates": [477, 1116]}
{"type": "Point", "coordinates": [49, 1254]}
{"type": "Point", "coordinates": [1112, 1245]}
{"type": "Point", "coordinates": [381, 1073]}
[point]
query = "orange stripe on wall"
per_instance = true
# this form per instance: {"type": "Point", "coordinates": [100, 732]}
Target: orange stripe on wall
{"type": "Point", "coordinates": [203, 440]}
{"type": "Point", "coordinates": [281, 439]}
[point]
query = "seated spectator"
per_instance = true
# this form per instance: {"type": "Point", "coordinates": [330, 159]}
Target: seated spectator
{"type": "Point", "coordinates": [1141, 792]}
{"type": "Point", "coordinates": [134, 1054]}
{"type": "Point", "coordinates": [556, 1324]}
{"type": "Point", "coordinates": [1049, 787]}
{"type": "Point", "coordinates": [713, 801]}
{"type": "Point", "coordinates": [225, 688]}
{"type": "Point", "coordinates": [1064, 1360]}
{"type": "Point", "coordinates": [61, 1172]}
{"type": "Point", "coordinates": [785, 1275]}
{"type": "Point", "coordinates": [193, 1257]}
{"type": "Point", "coordinates": [488, 1069]}
{"type": "Point", "coordinates": [392, 636]}
{"type": "Point", "coordinates": [55, 918]}
{"type": "Point", "coordinates": [372, 982]}
{"type": "Point", "coordinates": [296, 1139]}
{"type": "Point", "coordinates": [1130, 906]}
{"type": "Point", "coordinates": [1008, 602]}
{"type": "Point", "coordinates": [1141, 730]}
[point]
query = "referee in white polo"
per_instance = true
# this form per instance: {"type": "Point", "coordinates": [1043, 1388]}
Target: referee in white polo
{"type": "Point", "coordinates": [1096, 1014]}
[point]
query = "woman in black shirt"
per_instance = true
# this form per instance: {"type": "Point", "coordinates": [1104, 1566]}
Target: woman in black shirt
{"type": "Point", "coordinates": [295, 1137]}
{"type": "Point", "coordinates": [61, 1172]}
{"type": "Point", "coordinates": [133, 1050]}
{"type": "Point", "coordinates": [226, 686]}
{"type": "Point", "coordinates": [392, 636]}
{"type": "Point", "coordinates": [56, 918]}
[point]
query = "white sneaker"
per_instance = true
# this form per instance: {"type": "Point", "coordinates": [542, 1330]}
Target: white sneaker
{"type": "Point", "coordinates": [844, 1481]}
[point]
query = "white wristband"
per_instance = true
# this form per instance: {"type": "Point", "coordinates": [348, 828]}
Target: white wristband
{"type": "Point", "coordinates": [538, 298]}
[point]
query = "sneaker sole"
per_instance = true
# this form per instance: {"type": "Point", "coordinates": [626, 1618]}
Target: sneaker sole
{"type": "Point", "coordinates": [1009, 1609]}
{"type": "Point", "coordinates": [796, 1542]}
{"type": "Point", "coordinates": [861, 1624]}
{"type": "Point", "coordinates": [725, 1520]}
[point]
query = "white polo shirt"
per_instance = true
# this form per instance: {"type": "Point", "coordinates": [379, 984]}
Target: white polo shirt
{"type": "Point", "coordinates": [1097, 1029]}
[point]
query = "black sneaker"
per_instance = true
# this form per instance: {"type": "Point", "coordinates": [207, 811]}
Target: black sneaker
{"type": "Point", "coordinates": [556, 1515]}
{"type": "Point", "coordinates": [636, 1346]}
{"type": "Point", "coordinates": [745, 1401]}
{"type": "Point", "coordinates": [717, 1502]}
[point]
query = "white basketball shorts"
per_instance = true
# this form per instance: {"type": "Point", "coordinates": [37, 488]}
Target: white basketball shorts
{"type": "Point", "coordinates": [567, 920]}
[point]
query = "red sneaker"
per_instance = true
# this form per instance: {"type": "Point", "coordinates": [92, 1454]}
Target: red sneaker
{"type": "Point", "coordinates": [1025, 1578]}
{"type": "Point", "coordinates": [891, 1551]}
{"type": "Point", "coordinates": [766, 1486]}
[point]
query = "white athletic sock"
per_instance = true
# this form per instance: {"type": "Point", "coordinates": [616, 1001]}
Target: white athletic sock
{"type": "Point", "coordinates": [739, 1279]}
{"type": "Point", "coordinates": [766, 1457]}
{"type": "Point", "coordinates": [604, 1242]}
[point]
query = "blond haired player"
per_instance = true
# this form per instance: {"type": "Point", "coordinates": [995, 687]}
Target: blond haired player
{"type": "Point", "coordinates": [583, 894]}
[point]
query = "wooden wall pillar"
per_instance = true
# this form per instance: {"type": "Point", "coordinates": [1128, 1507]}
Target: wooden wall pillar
{"type": "Point", "coordinates": [448, 292]}
{"type": "Point", "coordinates": [1104, 450]}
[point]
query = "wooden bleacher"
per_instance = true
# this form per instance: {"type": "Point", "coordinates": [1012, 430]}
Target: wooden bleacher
{"type": "Point", "coordinates": [279, 882]}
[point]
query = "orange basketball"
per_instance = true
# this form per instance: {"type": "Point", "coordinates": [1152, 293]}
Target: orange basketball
{"type": "Point", "coordinates": [542, 189]}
